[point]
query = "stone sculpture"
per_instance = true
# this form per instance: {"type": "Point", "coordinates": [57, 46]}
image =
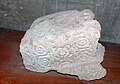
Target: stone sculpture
{"type": "Point", "coordinates": [67, 42]}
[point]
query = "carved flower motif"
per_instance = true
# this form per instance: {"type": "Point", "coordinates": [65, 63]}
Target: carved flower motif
{"type": "Point", "coordinates": [81, 43]}
{"type": "Point", "coordinates": [65, 66]}
{"type": "Point", "coordinates": [63, 51]}
{"type": "Point", "coordinates": [85, 55]}
{"type": "Point", "coordinates": [44, 62]}
{"type": "Point", "coordinates": [40, 50]}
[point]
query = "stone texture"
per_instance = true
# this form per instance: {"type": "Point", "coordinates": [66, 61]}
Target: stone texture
{"type": "Point", "coordinates": [67, 42]}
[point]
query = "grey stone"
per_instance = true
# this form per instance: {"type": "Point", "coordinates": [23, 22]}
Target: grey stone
{"type": "Point", "coordinates": [67, 42]}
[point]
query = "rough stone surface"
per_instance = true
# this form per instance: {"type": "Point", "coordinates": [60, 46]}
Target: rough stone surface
{"type": "Point", "coordinates": [67, 42]}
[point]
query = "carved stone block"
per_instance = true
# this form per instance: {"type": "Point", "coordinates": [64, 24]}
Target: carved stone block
{"type": "Point", "coordinates": [67, 42]}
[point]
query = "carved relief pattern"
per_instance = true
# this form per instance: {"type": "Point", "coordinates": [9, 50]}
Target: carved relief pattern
{"type": "Point", "coordinates": [66, 44]}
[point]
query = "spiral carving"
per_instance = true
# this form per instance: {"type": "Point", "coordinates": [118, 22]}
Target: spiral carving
{"type": "Point", "coordinates": [44, 62]}
{"type": "Point", "coordinates": [80, 43]}
{"type": "Point", "coordinates": [85, 55]}
{"type": "Point", "coordinates": [63, 52]}
{"type": "Point", "coordinates": [40, 50]}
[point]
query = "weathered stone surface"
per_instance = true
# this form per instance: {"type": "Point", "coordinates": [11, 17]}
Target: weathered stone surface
{"type": "Point", "coordinates": [67, 42]}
